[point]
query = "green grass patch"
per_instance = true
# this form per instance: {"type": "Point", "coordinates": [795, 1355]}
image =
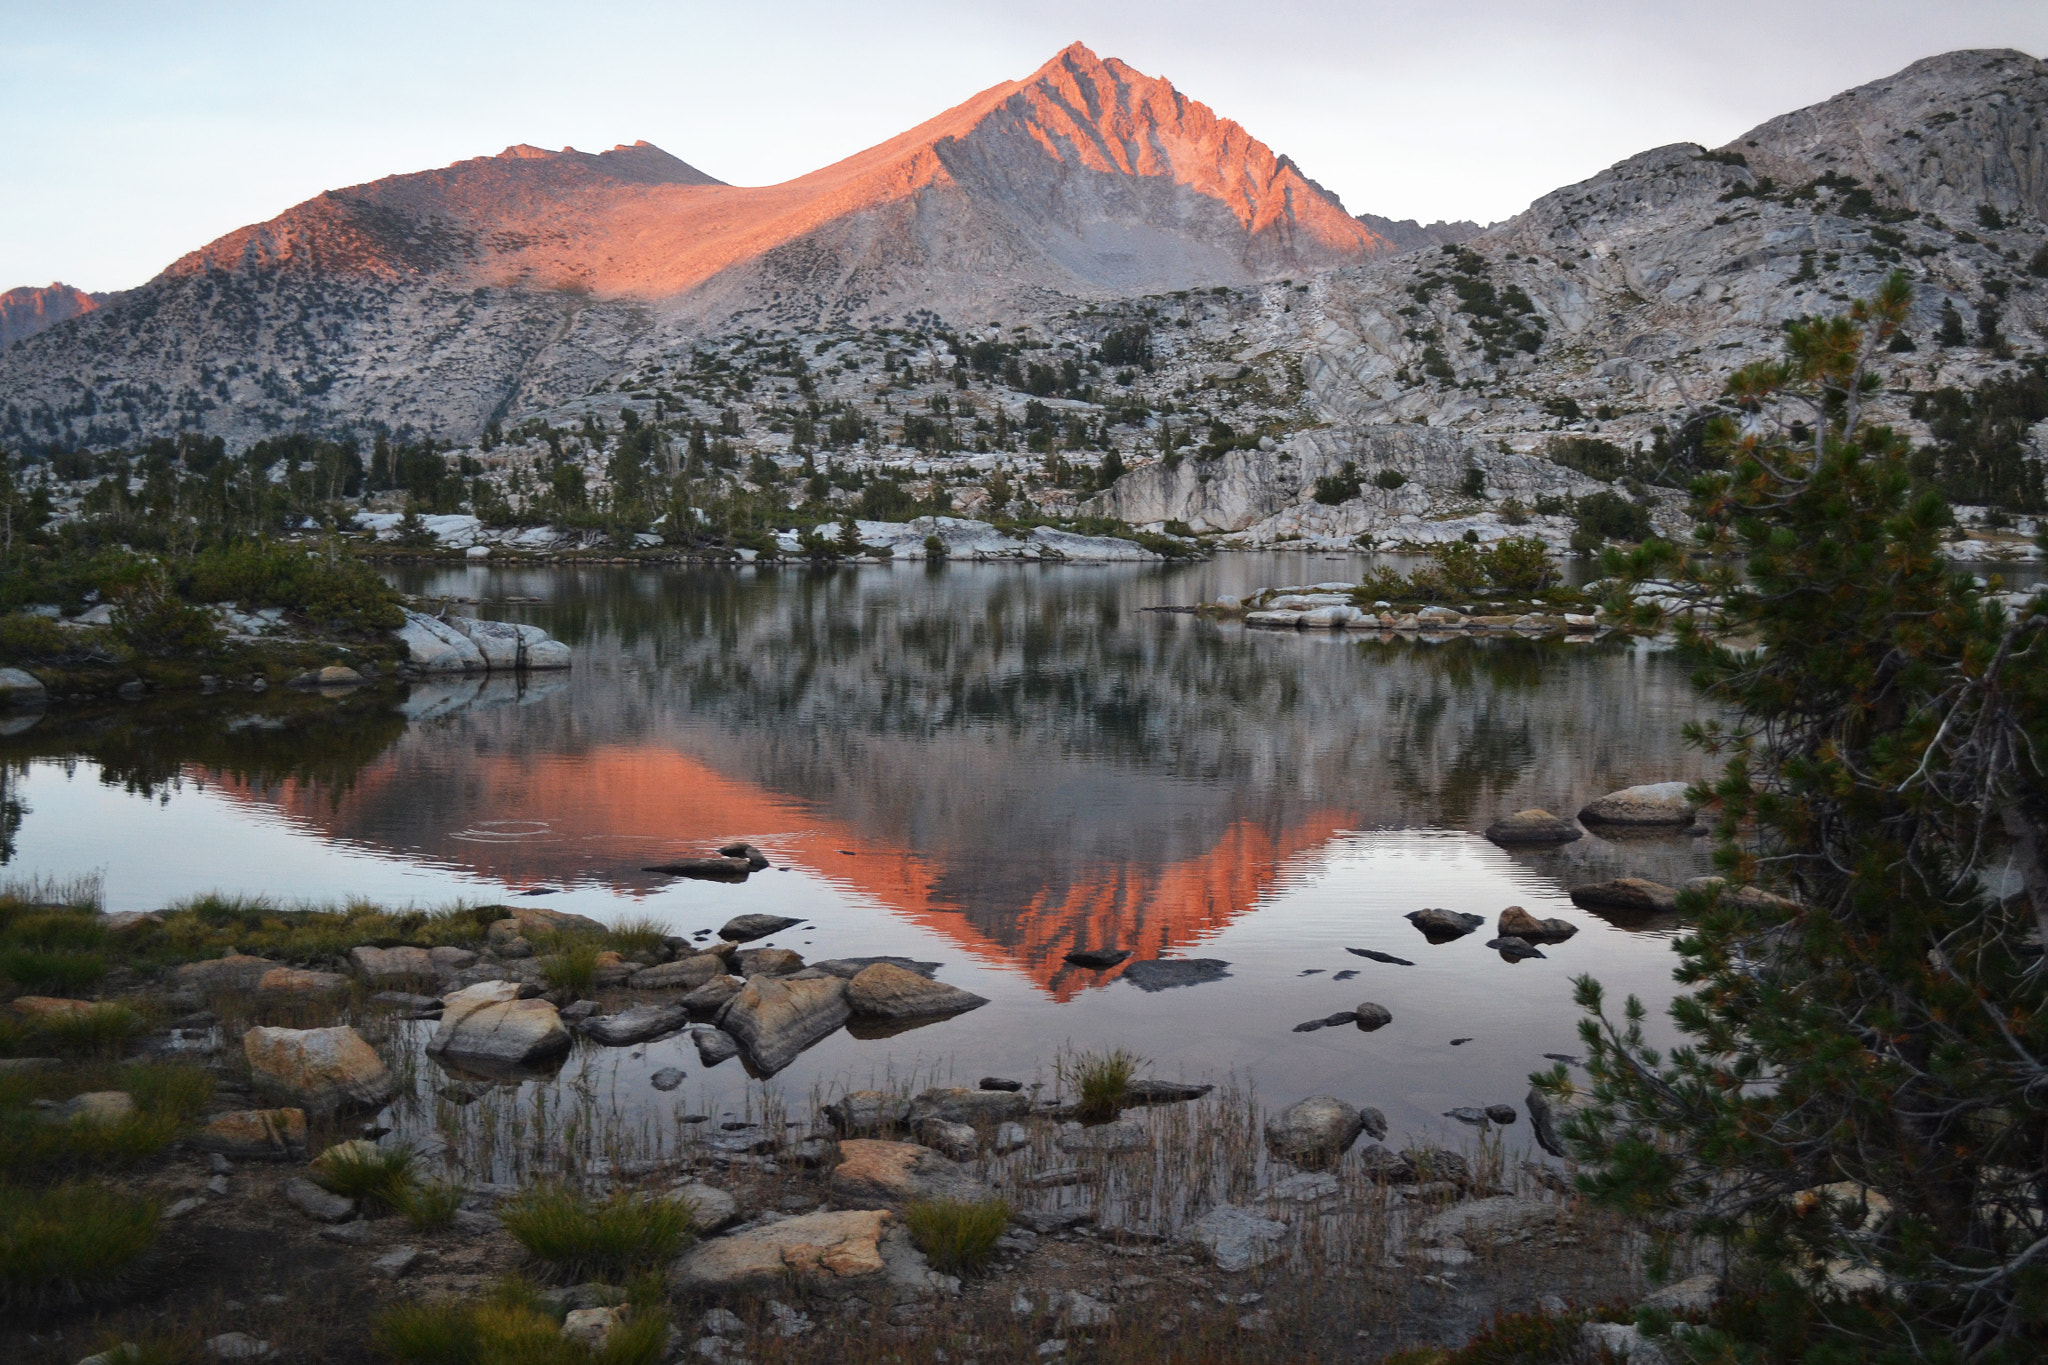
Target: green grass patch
{"type": "Point", "coordinates": [578, 1239]}
{"type": "Point", "coordinates": [167, 1097]}
{"type": "Point", "coordinates": [102, 1031]}
{"type": "Point", "coordinates": [429, 1205]}
{"type": "Point", "coordinates": [640, 934]}
{"type": "Point", "coordinates": [210, 926]}
{"type": "Point", "coordinates": [572, 967]}
{"type": "Point", "coordinates": [509, 1326]}
{"type": "Point", "coordinates": [39, 972]}
{"type": "Point", "coordinates": [1100, 1081]}
{"type": "Point", "coordinates": [68, 1244]}
{"type": "Point", "coordinates": [362, 1170]}
{"type": "Point", "coordinates": [958, 1236]}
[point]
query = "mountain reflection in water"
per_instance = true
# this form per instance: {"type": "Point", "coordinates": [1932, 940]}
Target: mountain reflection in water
{"type": "Point", "coordinates": [988, 766]}
{"type": "Point", "coordinates": [1025, 761]}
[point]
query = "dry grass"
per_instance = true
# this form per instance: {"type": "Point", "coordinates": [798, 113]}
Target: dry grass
{"type": "Point", "coordinates": [510, 1327]}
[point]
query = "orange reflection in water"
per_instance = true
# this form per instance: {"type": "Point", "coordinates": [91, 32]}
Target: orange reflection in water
{"type": "Point", "coordinates": [644, 798]}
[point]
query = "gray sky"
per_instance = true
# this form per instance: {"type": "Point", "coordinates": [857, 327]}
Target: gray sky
{"type": "Point", "coordinates": [138, 131]}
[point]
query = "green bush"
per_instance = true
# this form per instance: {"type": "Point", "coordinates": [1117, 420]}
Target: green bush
{"type": "Point", "coordinates": [68, 1244]}
{"type": "Point", "coordinates": [1606, 516]}
{"type": "Point", "coordinates": [958, 1236]}
{"type": "Point", "coordinates": [105, 1030]}
{"type": "Point", "coordinates": [1520, 564]}
{"type": "Point", "coordinates": [578, 1239]}
{"type": "Point", "coordinates": [51, 973]}
{"type": "Point", "coordinates": [24, 639]}
{"type": "Point", "coordinates": [330, 591]}
{"type": "Point", "coordinates": [151, 619]}
{"type": "Point", "coordinates": [1591, 456]}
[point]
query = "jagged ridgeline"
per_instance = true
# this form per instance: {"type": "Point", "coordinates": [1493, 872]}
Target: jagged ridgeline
{"type": "Point", "coordinates": [1091, 272]}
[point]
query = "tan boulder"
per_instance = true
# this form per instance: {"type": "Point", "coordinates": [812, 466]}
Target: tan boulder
{"type": "Point", "coordinates": [775, 1018]}
{"type": "Point", "coordinates": [95, 1107]}
{"type": "Point", "coordinates": [531, 921]}
{"type": "Point", "coordinates": [1636, 894]}
{"type": "Point", "coordinates": [294, 982]}
{"type": "Point", "coordinates": [391, 966]}
{"type": "Point", "coordinates": [753, 962]}
{"type": "Point", "coordinates": [50, 1009]}
{"type": "Point", "coordinates": [489, 1024]}
{"type": "Point", "coordinates": [323, 1070]}
{"type": "Point", "coordinates": [1655, 803]}
{"type": "Point", "coordinates": [821, 1252]}
{"type": "Point", "coordinates": [872, 1172]}
{"type": "Point", "coordinates": [887, 991]}
{"type": "Point", "coordinates": [1519, 923]}
{"type": "Point", "coordinates": [256, 1134]}
{"type": "Point", "coordinates": [684, 974]}
{"type": "Point", "coordinates": [1532, 826]}
{"type": "Point", "coordinates": [235, 972]}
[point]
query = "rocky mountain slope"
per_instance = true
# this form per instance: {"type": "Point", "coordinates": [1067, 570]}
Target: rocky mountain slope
{"type": "Point", "coordinates": [438, 301]}
{"type": "Point", "coordinates": [28, 310]}
{"type": "Point", "coordinates": [1609, 306]}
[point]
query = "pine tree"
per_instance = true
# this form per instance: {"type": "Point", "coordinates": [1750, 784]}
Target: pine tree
{"type": "Point", "coordinates": [1863, 1088]}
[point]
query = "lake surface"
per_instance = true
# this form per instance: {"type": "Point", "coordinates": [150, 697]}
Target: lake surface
{"type": "Point", "coordinates": [984, 766]}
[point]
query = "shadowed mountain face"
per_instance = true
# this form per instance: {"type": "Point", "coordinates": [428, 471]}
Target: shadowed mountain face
{"type": "Point", "coordinates": [441, 299]}
{"type": "Point", "coordinates": [1027, 764]}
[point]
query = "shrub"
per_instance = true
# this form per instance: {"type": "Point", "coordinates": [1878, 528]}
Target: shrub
{"type": "Point", "coordinates": [1389, 479]}
{"type": "Point", "coordinates": [68, 1244]}
{"type": "Point", "coordinates": [25, 638]}
{"type": "Point", "coordinates": [578, 1239]}
{"type": "Point", "coordinates": [102, 1031]}
{"type": "Point", "coordinates": [1100, 1081]}
{"type": "Point", "coordinates": [331, 591]}
{"type": "Point", "coordinates": [1608, 516]}
{"type": "Point", "coordinates": [958, 1236]}
{"type": "Point", "coordinates": [151, 619]}
{"type": "Point", "coordinates": [1595, 458]}
{"type": "Point", "coordinates": [1333, 490]}
{"type": "Point", "coordinates": [1520, 564]}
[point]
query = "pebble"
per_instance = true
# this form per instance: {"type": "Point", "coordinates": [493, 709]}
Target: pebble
{"type": "Point", "coordinates": [396, 1261]}
{"type": "Point", "coordinates": [182, 1207]}
{"type": "Point", "coordinates": [668, 1078]}
{"type": "Point", "coordinates": [217, 1185]}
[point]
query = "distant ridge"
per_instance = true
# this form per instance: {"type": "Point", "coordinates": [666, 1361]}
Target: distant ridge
{"type": "Point", "coordinates": [28, 310]}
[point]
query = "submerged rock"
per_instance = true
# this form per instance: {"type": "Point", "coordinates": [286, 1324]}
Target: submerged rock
{"type": "Point", "coordinates": [957, 1104]}
{"type": "Point", "coordinates": [775, 1018]}
{"type": "Point", "coordinates": [887, 991]}
{"type": "Point", "coordinates": [1655, 803]}
{"type": "Point", "coordinates": [1636, 894]}
{"type": "Point", "coordinates": [1314, 1132]}
{"type": "Point", "coordinates": [719, 869]}
{"type": "Point", "coordinates": [636, 1025]}
{"type": "Point", "coordinates": [755, 858]}
{"type": "Point", "coordinates": [1441, 926]}
{"type": "Point", "coordinates": [1099, 959]}
{"type": "Point", "coordinates": [746, 928]}
{"type": "Point", "coordinates": [1533, 826]}
{"type": "Point", "coordinates": [1160, 974]}
{"type": "Point", "coordinates": [1147, 1090]}
{"type": "Point", "coordinates": [1375, 956]}
{"type": "Point", "coordinates": [866, 1113]}
{"type": "Point", "coordinates": [850, 967]}
{"type": "Point", "coordinates": [1372, 1016]}
{"type": "Point", "coordinates": [1515, 922]}
{"type": "Point", "coordinates": [1514, 949]}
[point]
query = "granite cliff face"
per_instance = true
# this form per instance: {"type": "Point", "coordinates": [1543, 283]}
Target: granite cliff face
{"type": "Point", "coordinates": [440, 300]}
{"type": "Point", "coordinates": [1608, 306]}
{"type": "Point", "coordinates": [28, 310]}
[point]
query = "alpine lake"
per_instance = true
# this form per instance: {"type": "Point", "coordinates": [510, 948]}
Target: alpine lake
{"type": "Point", "coordinates": [980, 766]}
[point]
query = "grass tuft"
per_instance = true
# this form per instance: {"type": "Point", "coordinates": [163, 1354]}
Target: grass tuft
{"type": "Point", "coordinates": [1100, 1081]}
{"type": "Point", "coordinates": [429, 1205]}
{"type": "Point", "coordinates": [362, 1170]}
{"type": "Point", "coordinates": [640, 934]}
{"type": "Point", "coordinates": [510, 1326]}
{"type": "Point", "coordinates": [68, 1244]}
{"type": "Point", "coordinates": [958, 1236]}
{"type": "Point", "coordinates": [578, 1239]}
{"type": "Point", "coordinates": [573, 966]}
{"type": "Point", "coordinates": [52, 973]}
